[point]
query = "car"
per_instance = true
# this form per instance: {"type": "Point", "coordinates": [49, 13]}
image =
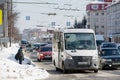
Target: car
{"type": "Point", "coordinates": [108, 45]}
{"type": "Point", "coordinates": [118, 46]}
{"type": "Point", "coordinates": [109, 58]}
{"type": "Point", "coordinates": [38, 45]}
{"type": "Point", "coordinates": [33, 54]}
{"type": "Point", "coordinates": [45, 52]}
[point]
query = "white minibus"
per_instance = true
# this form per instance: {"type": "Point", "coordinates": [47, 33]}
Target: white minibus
{"type": "Point", "coordinates": [75, 49]}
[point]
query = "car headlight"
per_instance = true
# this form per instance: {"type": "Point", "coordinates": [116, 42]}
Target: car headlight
{"type": "Point", "coordinates": [68, 56]}
{"type": "Point", "coordinates": [41, 54]}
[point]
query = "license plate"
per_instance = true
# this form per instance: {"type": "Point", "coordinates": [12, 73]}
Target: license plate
{"type": "Point", "coordinates": [116, 63]}
{"type": "Point", "coordinates": [82, 63]}
{"type": "Point", "coordinates": [48, 56]}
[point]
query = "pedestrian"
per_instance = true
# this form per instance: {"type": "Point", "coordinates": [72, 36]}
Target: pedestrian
{"type": "Point", "coordinates": [20, 56]}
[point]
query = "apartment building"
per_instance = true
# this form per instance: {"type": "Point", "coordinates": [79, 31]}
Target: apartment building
{"type": "Point", "coordinates": [97, 17]}
{"type": "Point", "coordinates": [113, 21]}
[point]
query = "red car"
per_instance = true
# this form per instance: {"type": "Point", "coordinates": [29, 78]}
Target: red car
{"type": "Point", "coordinates": [45, 52]}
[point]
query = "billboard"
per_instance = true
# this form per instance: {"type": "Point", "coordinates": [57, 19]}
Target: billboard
{"type": "Point", "coordinates": [1, 17]}
{"type": "Point", "coordinates": [107, 0]}
{"type": "Point", "coordinates": [96, 6]}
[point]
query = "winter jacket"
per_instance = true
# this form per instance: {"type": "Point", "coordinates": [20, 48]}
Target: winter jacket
{"type": "Point", "coordinates": [19, 55]}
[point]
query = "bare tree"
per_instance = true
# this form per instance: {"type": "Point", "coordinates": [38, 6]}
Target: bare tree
{"type": "Point", "coordinates": [12, 18]}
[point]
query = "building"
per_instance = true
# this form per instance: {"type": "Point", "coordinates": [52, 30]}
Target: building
{"type": "Point", "coordinates": [37, 35]}
{"type": "Point", "coordinates": [96, 17]}
{"type": "Point", "coordinates": [113, 21]}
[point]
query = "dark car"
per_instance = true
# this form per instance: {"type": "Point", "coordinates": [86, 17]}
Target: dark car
{"type": "Point", "coordinates": [45, 52]}
{"type": "Point", "coordinates": [109, 58]}
{"type": "Point", "coordinates": [38, 45]}
{"type": "Point", "coordinates": [108, 45]}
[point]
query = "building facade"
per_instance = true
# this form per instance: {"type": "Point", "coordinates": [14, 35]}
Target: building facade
{"type": "Point", "coordinates": [37, 35]}
{"type": "Point", "coordinates": [113, 21]}
{"type": "Point", "coordinates": [96, 17]}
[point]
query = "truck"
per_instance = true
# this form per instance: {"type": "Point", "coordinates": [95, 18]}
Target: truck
{"type": "Point", "coordinates": [75, 49]}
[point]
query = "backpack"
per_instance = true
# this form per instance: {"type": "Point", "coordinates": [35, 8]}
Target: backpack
{"type": "Point", "coordinates": [17, 56]}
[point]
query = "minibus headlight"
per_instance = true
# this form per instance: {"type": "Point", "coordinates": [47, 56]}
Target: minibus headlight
{"type": "Point", "coordinates": [95, 57]}
{"type": "Point", "coordinates": [68, 56]}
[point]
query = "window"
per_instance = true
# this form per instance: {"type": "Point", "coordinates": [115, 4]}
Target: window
{"type": "Point", "coordinates": [96, 14]}
{"type": "Point", "coordinates": [68, 23]}
{"type": "Point", "coordinates": [102, 13]}
{"type": "Point", "coordinates": [52, 23]}
{"type": "Point", "coordinates": [96, 27]}
{"type": "Point", "coordinates": [102, 26]}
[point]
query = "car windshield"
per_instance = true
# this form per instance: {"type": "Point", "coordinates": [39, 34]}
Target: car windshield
{"type": "Point", "coordinates": [44, 49]}
{"type": "Point", "coordinates": [108, 45]}
{"type": "Point", "coordinates": [39, 45]}
{"type": "Point", "coordinates": [79, 41]}
{"type": "Point", "coordinates": [108, 52]}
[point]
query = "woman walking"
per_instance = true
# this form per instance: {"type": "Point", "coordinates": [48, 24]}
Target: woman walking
{"type": "Point", "coordinates": [19, 56]}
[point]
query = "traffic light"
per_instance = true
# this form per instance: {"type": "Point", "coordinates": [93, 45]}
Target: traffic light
{"type": "Point", "coordinates": [1, 17]}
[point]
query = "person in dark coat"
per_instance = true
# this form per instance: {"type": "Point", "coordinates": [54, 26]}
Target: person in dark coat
{"type": "Point", "coordinates": [20, 56]}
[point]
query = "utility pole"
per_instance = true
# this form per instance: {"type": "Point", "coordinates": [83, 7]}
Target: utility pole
{"type": "Point", "coordinates": [11, 24]}
{"type": "Point", "coordinates": [5, 22]}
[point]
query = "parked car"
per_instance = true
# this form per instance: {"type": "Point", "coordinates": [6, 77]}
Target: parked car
{"type": "Point", "coordinates": [109, 58]}
{"type": "Point", "coordinates": [45, 52]}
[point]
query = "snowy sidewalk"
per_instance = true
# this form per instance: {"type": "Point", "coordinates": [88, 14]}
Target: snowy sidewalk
{"type": "Point", "coordinates": [10, 69]}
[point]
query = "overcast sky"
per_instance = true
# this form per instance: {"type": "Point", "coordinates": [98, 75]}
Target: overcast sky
{"type": "Point", "coordinates": [38, 12]}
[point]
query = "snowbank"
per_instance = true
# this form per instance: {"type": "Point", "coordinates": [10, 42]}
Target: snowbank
{"type": "Point", "coordinates": [10, 69]}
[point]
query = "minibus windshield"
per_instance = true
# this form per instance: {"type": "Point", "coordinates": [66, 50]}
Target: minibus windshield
{"type": "Point", "coordinates": [79, 41]}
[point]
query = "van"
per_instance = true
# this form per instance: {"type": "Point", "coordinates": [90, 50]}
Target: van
{"type": "Point", "coordinates": [75, 49]}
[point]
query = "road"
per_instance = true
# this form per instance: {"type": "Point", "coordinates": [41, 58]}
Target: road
{"type": "Point", "coordinates": [78, 75]}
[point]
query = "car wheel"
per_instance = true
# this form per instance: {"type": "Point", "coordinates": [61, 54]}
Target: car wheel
{"type": "Point", "coordinates": [57, 69]}
{"type": "Point", "coordinates": [38, 60]}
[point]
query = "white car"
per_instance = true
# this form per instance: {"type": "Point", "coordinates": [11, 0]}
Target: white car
{"type": "Point", "coordinates": [33, 54]}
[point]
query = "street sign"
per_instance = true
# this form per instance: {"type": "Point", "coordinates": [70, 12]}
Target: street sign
{"type": "Point", "coordinates": [27, 17]}
{"type": "Point", "coordinates": [1, 17]}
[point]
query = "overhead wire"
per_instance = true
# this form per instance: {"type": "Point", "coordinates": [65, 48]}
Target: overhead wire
{"type": "Point", "coordinates": [36, 3]}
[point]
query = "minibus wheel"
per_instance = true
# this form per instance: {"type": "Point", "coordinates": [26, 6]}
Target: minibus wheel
{"type": "Point", "coordinates": [63, 68]}
{"type": "Point", "coordinates": [96, 71]}
{"type": "Point", "coordinates": [57, 69]}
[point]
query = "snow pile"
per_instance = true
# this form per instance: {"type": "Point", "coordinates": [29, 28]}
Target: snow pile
{"type": "Point", "coordinates": [10, 69]}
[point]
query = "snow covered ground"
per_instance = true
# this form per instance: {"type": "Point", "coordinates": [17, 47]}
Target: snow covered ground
{"type": "Point", "coordinates": [10, 69]}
